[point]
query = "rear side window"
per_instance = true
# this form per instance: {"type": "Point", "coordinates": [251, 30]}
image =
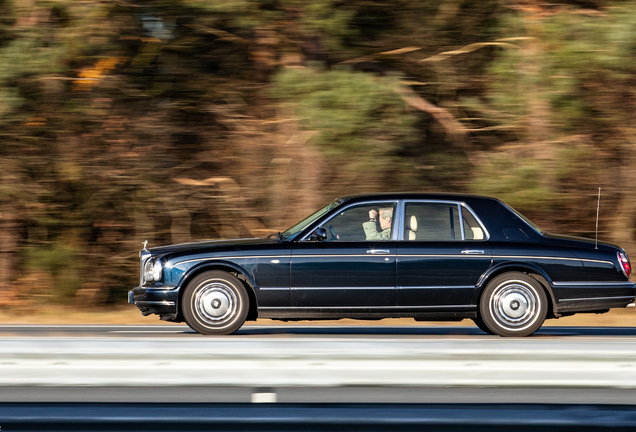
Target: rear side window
{"type": "Point", "coordinates": [440, 222]}
{"type": "Point", "coordinates": [472, 229]}
{"type": "Point", "coordinates": [432, 222]}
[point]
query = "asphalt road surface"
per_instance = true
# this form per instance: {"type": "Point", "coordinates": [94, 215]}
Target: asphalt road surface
{"type": "Point", "coordinates": [367, 394]}
{"type": "Point", "coordinates": [291, 331]}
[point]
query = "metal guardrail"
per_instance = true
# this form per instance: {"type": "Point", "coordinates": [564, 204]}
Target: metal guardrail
{"type": "Point", "coordinates": [315, 417]}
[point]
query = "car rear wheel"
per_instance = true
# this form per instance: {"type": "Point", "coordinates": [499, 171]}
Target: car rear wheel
{"type": "Point", "coordinates": [513, 304]}
{"type": "Point", "coordinates": [215, 303]}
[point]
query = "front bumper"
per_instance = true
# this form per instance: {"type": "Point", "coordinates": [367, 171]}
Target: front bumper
{"type": "Point", "coordinates": [152, 300]}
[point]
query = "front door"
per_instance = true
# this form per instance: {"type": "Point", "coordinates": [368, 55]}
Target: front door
{"type": "Point", "coordinates": [354, 266]}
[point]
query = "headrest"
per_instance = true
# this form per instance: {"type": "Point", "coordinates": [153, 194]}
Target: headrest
{"type": "Point", "coordinates": [478, 234]}
{"type": "Point", "coordinates": [412, 235]}
{"type": "Point", "coordinates": [411, 223]}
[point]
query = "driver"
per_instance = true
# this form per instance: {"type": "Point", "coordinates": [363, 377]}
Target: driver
{"type": "Point", "coordinates": [370, 229]}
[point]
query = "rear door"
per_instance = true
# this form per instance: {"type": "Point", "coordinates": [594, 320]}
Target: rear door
{"type": "Point", "coordinates": [443, 252]}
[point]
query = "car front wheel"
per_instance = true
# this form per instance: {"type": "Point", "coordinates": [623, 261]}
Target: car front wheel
{"type": "Point", "coordinates": [482, 325]}
{"type": "Point", "coordinates": [513, 304]}
{"type": "Point", "coordinates": [215, 303]}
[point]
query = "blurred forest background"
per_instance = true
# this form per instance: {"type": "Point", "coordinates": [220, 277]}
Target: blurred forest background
{"type": "Point", "coordinates": [181, 120]}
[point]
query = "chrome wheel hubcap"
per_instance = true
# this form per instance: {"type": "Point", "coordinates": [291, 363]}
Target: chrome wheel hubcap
{"type": "Point", "coordinates": [514, 305]}
{"type": "Point", "coordinates": [216, 303]}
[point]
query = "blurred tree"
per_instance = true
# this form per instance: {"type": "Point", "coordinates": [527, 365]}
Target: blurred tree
{"type": "Point", "coordinates": [561, 91]}
{"type": "Point", "coordinates": [181, 120]}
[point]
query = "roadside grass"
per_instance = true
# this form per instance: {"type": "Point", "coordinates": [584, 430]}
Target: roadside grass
{"type": "Point", "coordinates": [130, 315]}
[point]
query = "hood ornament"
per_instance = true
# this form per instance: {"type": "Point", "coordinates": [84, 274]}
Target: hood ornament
{"type": "Point", "coordinates": [145, 243]}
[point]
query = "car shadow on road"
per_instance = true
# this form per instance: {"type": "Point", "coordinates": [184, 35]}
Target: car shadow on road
{"type": "Point", "coordinates": [425, 331]}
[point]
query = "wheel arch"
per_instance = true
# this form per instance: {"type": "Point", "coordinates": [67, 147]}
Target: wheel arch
{"type": "Point", "coordinates": [228, 267]}
{"type": "Point", "coordinates": [531, 270]}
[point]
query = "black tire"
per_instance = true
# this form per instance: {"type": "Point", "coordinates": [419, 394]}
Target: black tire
{"type": "Point", "coordinates": [482, 325]}
{"type": "Point", "coordinates": [513, 304]}
{"type": "Point", "coordinates": [215, 303]}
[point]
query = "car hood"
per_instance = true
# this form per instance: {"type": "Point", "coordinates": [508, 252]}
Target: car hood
{"type": "Point", "coordinates": [235, 244]}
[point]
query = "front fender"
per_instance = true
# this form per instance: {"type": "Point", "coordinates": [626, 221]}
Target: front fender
{"type": "Point", "coordinates": [215, 265]}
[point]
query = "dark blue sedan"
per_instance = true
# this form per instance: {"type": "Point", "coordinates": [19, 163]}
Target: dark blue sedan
{"type": "Point", "coordinates": [431, 257]}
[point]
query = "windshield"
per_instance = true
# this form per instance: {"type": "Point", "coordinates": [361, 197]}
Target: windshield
{"type": "Point", "coordinates": [525, 219]}
{"type": "Point", "coordinates": [293, 231]}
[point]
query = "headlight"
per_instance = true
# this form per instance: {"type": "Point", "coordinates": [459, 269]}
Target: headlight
{"type": "Point", "coordinates": [152, 271]}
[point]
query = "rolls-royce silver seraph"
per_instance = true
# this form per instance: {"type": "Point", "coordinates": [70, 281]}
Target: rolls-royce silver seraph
{"type": "Point", "coordinates": [438, 257]}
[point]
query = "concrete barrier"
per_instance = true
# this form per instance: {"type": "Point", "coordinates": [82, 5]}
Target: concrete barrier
{"type": "Point", "coordinates": [311, 362]}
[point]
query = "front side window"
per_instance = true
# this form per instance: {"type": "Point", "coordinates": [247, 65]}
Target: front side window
{"type": "Point", "coordinates": [365, 222]}
{"type": "Point", "coordinates": [293, 231]}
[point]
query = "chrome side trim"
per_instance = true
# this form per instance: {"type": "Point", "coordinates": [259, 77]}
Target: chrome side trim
{"type": "Point", "coordinates": [554, 258]}
{"type": "Point", "coordinates": [597, 298]}
{"type": "Point", "coordinates": [231, 257]}
{"type": "Point", "coordinates": [366, 288]}
{"type": "Point", "coordinates": [340, 255]}
{"type": "Point", "coordinates": [161, 288]}
{"type": "Point", "coordinates": [439, 287]}
{"type": "Point", "coordinates": [394, 308]}
{"type": "Point", "coordinates": [398, 256]}
{"type": "Point", "coordinates": [609, 284]}
{"type": "Point", "coordinates": [342, 288]}
{"type": "Point", "coordinates": [159, 303]}
{"type": "Point", "coordinates": [265, 256]}
{"type": "Point", "coordinates": [443, 256]}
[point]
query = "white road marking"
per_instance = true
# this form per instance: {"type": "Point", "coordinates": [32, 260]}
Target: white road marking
{"type": "Point", "coordinates": [263, 397]}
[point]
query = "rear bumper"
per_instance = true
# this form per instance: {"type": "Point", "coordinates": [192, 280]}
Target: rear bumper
{"type": "Point", "coordinates": [160, 301]}
{"type": "Point", "coordinates": [592, 296]}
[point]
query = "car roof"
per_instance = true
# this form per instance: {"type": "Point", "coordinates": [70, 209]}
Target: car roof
{"type": "Point", "coordinates": [414, 196]}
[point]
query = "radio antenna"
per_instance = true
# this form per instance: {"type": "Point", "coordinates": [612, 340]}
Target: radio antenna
{"type": "Point", "coordinates": [598, 207]}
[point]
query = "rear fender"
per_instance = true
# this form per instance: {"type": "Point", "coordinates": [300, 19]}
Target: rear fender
{"type": "Point", "coordinates": [533, 270]}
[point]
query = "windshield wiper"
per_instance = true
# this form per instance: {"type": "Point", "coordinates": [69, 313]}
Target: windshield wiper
{"type": "Point", "coordinates": [279, 236]}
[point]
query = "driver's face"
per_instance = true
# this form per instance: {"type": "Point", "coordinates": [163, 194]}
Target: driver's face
{"type": "Point", "coordinates": [385, 219]}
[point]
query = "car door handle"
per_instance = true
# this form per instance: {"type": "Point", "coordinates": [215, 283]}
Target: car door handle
{"type": "Point", "coordinates": [378, 251]}
{"type": "Point", "coordinates": [473, 252]}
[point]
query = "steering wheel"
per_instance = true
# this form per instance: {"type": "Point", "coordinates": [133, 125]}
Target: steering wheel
{"type": "Point", "coordinates": [334, 236]}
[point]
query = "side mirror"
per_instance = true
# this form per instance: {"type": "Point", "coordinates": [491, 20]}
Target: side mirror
{"type": "Point", "coordinates": [319, 235]}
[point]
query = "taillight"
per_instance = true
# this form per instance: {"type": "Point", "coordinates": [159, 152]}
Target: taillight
{"type": "Point", "coordinates": [623, 260]}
